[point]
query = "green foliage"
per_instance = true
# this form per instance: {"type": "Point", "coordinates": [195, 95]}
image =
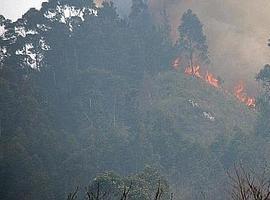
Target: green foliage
{"type": "Point", "coordinates": [141, 186]}
{"type": "Point", "coordinates": [138, 9]}
{"type": "Point", "coordinates": [69, 87]}
{"type": "Point", "coordinates": [192, 40]}
{"type": "Point", "coordinates": [263, 127]}
{"type": "Point", "coordinates": [264, 77]}
{"type": "Point", "coordinates": [88, 92]}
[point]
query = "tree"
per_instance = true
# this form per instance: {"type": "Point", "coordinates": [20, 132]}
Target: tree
{"type": "Point", "coordinates": [192, 41]}
{"type": "Point", "coordinates": [147, 185]}
{"type": "Point", "coordinates": [263, 102]}
{"type": "Point", "coordinates": [264, 77]}
{"type": "Point", "coordinates": [247, 185]}
{"type": "Point", "coordinates": [138, 8]}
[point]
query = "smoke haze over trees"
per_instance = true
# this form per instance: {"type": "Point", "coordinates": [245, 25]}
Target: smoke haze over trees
{"type": "Point", "coordinates": [238, 32]}
{"type": "Point", "coordinates": [89, 98]}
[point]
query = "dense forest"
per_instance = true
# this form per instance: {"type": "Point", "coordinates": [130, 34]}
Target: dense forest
{"type": "Point", "coordinates": [89, 98]}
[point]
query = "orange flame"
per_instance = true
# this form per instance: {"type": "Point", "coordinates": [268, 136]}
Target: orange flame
{"type": "Point", "coordinates": [239, 92]}
{"type": "Point", "coordinates": [189, 71]}
{"type": "Point", "coordinates": [195, 70]}
{"type": "Point", "coordinates": [211, 79]}
{"type": "Point", "coordinates": [251, 102]}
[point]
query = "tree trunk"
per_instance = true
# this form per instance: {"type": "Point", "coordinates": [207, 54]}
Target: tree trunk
{"type": "Point", "coordinates": [191, 56]}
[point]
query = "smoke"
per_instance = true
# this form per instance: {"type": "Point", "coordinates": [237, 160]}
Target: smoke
{"type": "Point", "coordinates": [237, 33]}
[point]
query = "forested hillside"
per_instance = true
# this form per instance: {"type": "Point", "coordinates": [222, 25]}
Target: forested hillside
{"type": "Point", "coordinates": [85, 93]}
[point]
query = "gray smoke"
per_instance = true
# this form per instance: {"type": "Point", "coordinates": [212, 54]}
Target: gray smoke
{"type": "Point", "coordinates": [237, 33]}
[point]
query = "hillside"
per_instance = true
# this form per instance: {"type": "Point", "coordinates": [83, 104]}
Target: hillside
{"type": "Point", "coordinates": [88, 94]}
{"type": "Point", "coordinates": [194, 129]}
{"type": "Point", "coordinates": [199, 111]}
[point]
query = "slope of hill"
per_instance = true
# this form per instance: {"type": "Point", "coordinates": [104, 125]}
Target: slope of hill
{"type": "Point", "coordinates": [94, 102]}
{"type": "Point", "coordinates": [199, 111]}
{"type": "Point", "coordinates": [194, 131]}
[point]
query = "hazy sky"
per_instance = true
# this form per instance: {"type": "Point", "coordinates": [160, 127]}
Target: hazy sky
{"type": "Point", "coordinates": [14, 9]}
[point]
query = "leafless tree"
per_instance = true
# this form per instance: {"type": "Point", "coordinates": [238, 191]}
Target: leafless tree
{"type": "Point", "coordinates": [98, 195]}
{"type": "Point", "coordinates": [159, 192]}
{"type": "Point", "coordinates": [171, 197]}
{"type": "Point", "coordinates": [247, 185]}
{"type": "Point", "coordinates": [73, 195]}
{"type": "Point", "coordinates": [126, 192]}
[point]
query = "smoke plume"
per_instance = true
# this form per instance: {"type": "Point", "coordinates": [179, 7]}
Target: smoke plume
{"type": "Point", "coordinates": [237, 33]}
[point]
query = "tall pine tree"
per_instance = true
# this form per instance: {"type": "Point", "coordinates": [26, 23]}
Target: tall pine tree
{"type": "Point", "coordinates": [192, 41]}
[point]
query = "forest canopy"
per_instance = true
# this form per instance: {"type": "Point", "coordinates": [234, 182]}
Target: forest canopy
{"type": "Point", "coordinates": [88, 96]}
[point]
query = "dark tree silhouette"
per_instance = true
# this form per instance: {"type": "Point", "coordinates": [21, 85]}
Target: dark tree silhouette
{"type": "Point", "coordinates": [192, 41]}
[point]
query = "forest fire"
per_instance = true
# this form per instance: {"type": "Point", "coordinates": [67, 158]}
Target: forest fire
{"type": "Point", "coordinates": [195, 70]}
{"type": "Point", "coordinates": [239, 89]}
{"type": "Point", "coordinates": [212, 80]}
{"type": "Point", "coordinates": [239, 92]}
{"type": "Point", "coordinates": [209, 77]}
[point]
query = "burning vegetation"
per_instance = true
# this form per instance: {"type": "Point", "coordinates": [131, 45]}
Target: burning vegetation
{"type": "Point", "coordinates": [240, 94]}
{"type": "Point", "coordinates": [193, 49]}
{"type": "Point", "coordinates": [239, 90]}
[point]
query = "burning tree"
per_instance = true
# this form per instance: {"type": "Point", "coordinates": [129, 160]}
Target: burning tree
{"type": "Point", "coordinates": [240, 94]}
{"type": "Point", "coordinates": [192, 41]}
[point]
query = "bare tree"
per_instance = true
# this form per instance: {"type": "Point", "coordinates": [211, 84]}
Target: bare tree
{"type": "Point", "coordinates": [159, 192]}
{"type": "Point", "coordinates": [96, 195]}
{"type": "Point", "coordinates": [247, 185]}
{"type": "Point", "coordinates": [171, 197]}
{"type": "Point", "coordinates": [126, 192]}
{"type": "Point", "coordinates": [73, 195]}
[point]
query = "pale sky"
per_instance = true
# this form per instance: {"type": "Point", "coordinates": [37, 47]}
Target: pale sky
{"type": "Point", "coordinates": [13, 9]}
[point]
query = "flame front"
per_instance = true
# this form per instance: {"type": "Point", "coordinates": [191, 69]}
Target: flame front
{"type": "Point", "coordinates": [209, 77]}
{"type": "Point", "coordinates": [239, 89]}
{"type": "Point", "coordinates": [239, 92]}
{"type": "Point", "coordinates": [212, 80]}
{"type": "Point", "coordinates": [195, 70]}
{"type": "Point", "coordinates": [251, 102]}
